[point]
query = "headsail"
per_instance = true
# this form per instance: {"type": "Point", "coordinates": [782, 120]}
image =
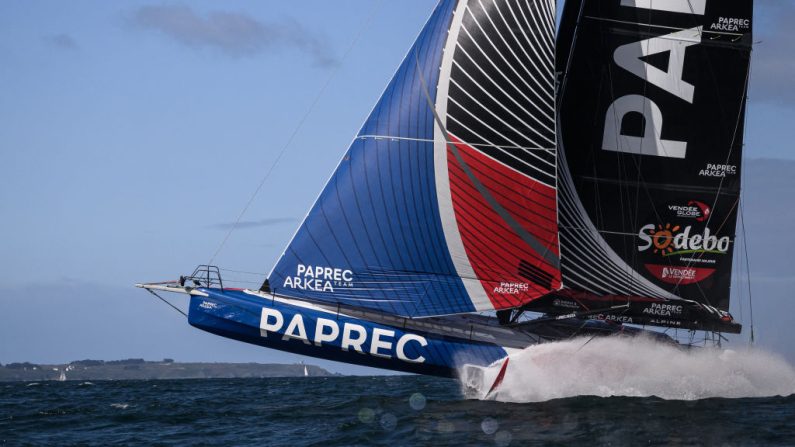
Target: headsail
{"type": "Point", "coordinates": [651, 109]}
{"type": "Point", "coordinates": [446, 201]}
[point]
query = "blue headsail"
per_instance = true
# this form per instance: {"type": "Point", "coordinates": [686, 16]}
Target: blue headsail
{"type": "Point", "coordinates": [384, 233]}
{"type": "Point", "coordinates": [374, 237]}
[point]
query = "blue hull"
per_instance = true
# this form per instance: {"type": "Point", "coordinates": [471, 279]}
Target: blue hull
{"type": "Point", "coordinates": [315, 331]}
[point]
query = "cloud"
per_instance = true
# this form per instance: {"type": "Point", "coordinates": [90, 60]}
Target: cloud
{"type": "Point", "coordinates": [254, 224]}
{"type": "Point", "coordinates": [61, 41]}
{"type": "Point", "coordinates": [235, 34]}
{"type": "Point", "coordinates": [773, 67]}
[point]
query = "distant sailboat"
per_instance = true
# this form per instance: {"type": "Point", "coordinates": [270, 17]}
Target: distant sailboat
{"type": "Point", "coordinates": [306, 372]}
{"type": "Point", "coordinates": [501, 195]}
{"type": "Point", "coordinates": [62, 376]}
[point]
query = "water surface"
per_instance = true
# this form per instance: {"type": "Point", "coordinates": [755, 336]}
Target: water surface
{"type": "Point", "coordinates": [397, 410]}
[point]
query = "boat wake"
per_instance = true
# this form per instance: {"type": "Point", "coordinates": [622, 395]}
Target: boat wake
{"type": "Point", "coordinates": [634, 367]}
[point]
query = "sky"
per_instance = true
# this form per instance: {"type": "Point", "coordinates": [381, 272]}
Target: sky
{"type": "Point", "coordinates": [132, 134]}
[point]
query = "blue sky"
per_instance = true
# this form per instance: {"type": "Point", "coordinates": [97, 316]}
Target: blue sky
{"type": "Point", "coordinates": [133, 133]}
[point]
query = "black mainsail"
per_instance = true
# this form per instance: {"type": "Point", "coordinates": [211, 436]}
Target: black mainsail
{"type": "Point", "coordinates": [651, 108]}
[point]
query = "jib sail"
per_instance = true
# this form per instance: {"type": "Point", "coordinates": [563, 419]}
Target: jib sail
{"type": "Point", "coordinates": [446, 201]}
{"type": "Point", "coordinates": [651, 112]}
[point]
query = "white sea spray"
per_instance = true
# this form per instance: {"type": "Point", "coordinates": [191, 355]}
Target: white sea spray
{"type": "Point", "coordinates": [635, 367]}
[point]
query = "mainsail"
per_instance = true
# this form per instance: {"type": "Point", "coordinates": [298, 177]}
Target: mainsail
{"type": "Point", "coordinates": [651, 110]}
{"type": "Point", "coordinates": [446, 201]}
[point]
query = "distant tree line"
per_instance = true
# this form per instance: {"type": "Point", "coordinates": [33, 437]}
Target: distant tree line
{"type": "Point", "coordinates": [89, 362]}
{"type": "Point", "coordinates": [23, 365]}
{"type": "Point", "coordinates": [85, 363]}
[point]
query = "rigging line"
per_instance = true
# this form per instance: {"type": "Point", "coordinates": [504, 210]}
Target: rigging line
{"type": "Point", "coordinates": [241, 281]}
{"type": "Point", "coordinates": [736, 283]}
{"type": "Point", "coordinates": [567, 69]}
{"type": "Point", "coordinates": [560, 89]}
{"type": "Point", "coordinates": [167, 302]}
{"type": "Point", "coordinates": [744, 102]}
{"type": "Point", "coordinates": [599, 209]}
{"type": "Point", "coordinates": [640, 182]}
{"type": "Point", "coordinates": [737, 127]}
{"type": "Point", "coordinates": [298, 127]}
{"type": "Point", "coordinates": [553, 39]}
{"type": "Point", "coordinates": [748, 271]}
{"type": "Point", "coordinates": [742, 210]}
{"type": "Point", "coordinates": [638, 162]}
{"type": "Point", "coordinates": [243, 272]}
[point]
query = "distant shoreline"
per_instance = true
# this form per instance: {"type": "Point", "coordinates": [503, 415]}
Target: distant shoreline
{"type": "Point", "coordinates": [139, 369]}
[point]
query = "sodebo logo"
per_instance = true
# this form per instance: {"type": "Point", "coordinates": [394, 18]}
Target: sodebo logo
{"type": "Point", "coordinates": [670, 240]}
{"type": "Point", "coordinates": [354, 336]}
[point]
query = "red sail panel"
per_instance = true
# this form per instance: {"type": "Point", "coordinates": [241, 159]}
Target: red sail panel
{"type": "Point", "coordinates": [511, 271]}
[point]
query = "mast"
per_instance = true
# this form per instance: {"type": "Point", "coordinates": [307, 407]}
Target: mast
{"type": "Point", "coordinates": [651, 112]}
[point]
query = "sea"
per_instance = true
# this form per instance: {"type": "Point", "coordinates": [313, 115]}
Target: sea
{"type": "Point", "coordinates": [603, 393]}
{"type": "Point", "coordinates": [381, 410]}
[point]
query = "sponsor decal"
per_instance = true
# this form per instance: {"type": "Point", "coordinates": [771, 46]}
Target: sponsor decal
{"type": "Point", "coordinates": [670, 240]}
{"type": "Point", "coordinates": [664, 322]}
{"type": "Point", "coordinates": [693, 210]}
{"type": "Point", "coordinates": [612, 317]}
{"type": "Point", "coordinates": [512, 288]}
{"type": "Point", "coordinates": [208, 305]}
{"type": "Point", "coordinates": [348, 336]}
{"type": "Point", "coordinates": [720, 171]}
{"type": "Point", "coordinates": [731, 24]}
{"type": "Point", "coordinates": [679, 275]}
{"type": "Point", "coordinates": [691, 260]}
{"type": "Point", "coordinates": [318, 278]}
{"type": "Point", "coordinates": [663, 310]}
{"type": "Point", "coordinates": [557, 302]}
